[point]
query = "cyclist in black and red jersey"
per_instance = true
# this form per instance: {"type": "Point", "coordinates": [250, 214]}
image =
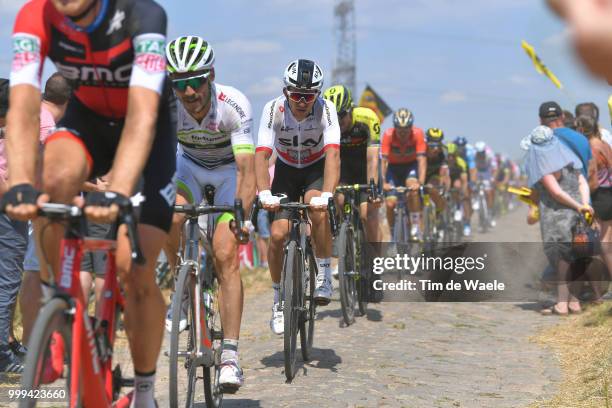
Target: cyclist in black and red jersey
{"type": "Point", "coordinates": [118, 121]}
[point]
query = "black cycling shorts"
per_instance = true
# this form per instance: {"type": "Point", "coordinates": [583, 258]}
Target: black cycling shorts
{"type": "Point", "coordinates": [295, 182]}
{"type": "Point", "coordinates": [100, 137]}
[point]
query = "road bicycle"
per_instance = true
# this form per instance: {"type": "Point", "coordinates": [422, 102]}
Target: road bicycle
{"type": "Point", "coordinates": [68, 344]}
{"type": "Point", "coordinates": [351, 251]}
{"type": "Point", "coordinates": [298, 279]}
{"type": "Point", "coordinates": [195, 299]}
{"type": "Point", "coordinates": [480, 205]}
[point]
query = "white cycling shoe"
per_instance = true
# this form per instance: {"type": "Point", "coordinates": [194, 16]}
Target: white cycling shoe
{"type": "Point", "coordinates": [277, 322]}
{"type": "Point", "coordinates": [323, 290]}
{"type": "Point", "coordinates": [231, 377]}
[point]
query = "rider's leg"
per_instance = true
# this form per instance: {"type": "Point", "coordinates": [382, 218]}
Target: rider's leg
{"type": "Point", "coordinates": [369, 217]}
{"type": "Point", "coordinates": [390, 203]}
{"type": "Point", "coordinates": [225, 249]}
{"type": "Point", "coordinates": [278, 232]}
{"type": "Point", "coordinates": [321, 234]}
{"type": "Point", "coordinates": [171, 247]}
{"type": "Point", "coordinates": [414, 206]}
{"type": "Point", "coordinates": [62, 180]}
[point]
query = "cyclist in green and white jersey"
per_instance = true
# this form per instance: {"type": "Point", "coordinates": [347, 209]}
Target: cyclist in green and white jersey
{"type": "Point", "coordinates": [215, 148]}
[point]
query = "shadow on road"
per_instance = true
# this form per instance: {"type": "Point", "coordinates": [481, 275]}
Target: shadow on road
{"type": "Point", "coordinates": [320, 358]}
{"type": "Point", "coordinates": [235, 403]}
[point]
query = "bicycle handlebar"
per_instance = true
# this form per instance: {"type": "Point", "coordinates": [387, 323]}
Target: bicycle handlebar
{"type": "Point", "coordinates": [56, 212]}
{"type": "Point", "coordinates": [192, 210]}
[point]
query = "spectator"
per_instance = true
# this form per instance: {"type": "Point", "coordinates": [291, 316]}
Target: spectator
{"type": "Point", "coordinates": [55, 99]}
{"type": "Point", "coordinates": [569, 121]}
{"type": "Point", "coordinates": [554, 171]}
{"type": "Point", "coordinates": [13, 241]}
{"type": "Point", "coordinates": [601, 188]}
{"type": "Point", "coordinates": [551, 116]}
{"type": "Point", "coordinates": [590, 109]}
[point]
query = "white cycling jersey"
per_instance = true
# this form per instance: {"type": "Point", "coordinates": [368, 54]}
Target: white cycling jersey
{"type": "Point", "coordinates": [225, 131]}
{"type": "Point", "coordinates": [298, 144]}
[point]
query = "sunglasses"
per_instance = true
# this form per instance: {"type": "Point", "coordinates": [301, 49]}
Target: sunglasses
{"type": "Point", "coordinates": [297, 96]}
{"type": "Point", "coordinates": [194, 82]}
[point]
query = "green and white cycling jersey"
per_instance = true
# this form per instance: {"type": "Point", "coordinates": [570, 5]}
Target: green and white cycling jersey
{"type": "Point", "coordinates": [224, 132]}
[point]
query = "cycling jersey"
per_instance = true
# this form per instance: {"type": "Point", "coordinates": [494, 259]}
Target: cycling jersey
{"type": "Point", "coordinates": [224, 132]}
{"type": "Point", "coordinates": [123, 47]}
{"type": "Point", "coordinates": [468, 154]}
{"type": "Point", "coordinates": [434, 164]}
{"type": "Point", "coordinates": [298, 144]}
{"type": "Point", "coordinates": [398, 151]}
{"type": "Point", "coordinates": [354, 144]}
{"type": "Point", "coordinates": [485, 161]}
{"type": "Point", "coordinates": [457, 168]}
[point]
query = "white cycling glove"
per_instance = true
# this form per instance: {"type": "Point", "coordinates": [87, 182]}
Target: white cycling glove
{"type": "Point", "coordinates": [322, 200]}
{"type": "Point", "coordinates": [266, 198]}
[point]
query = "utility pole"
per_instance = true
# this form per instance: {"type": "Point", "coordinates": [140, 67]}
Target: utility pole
{"type": "Point", "coordinates": [344, 32]}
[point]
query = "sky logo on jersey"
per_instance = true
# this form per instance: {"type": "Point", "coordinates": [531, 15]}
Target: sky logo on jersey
{"type": "Point", "coordinates": [26, 50]}
{"type": "Point", "coordinates": [149, 53]}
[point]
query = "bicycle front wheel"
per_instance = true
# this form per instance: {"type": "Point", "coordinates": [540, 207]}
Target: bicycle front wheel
{"type": "Point", "coordinates": [346, 273]}
{"type": "Point", "coordinates": [361, 268]}
{"type": "Point", "coordinates": [212, 391]}
{"type": "Point", "coordinates": [49, 351]}
{"type": "Point", "coordinates": [183, 341]}
{"type": "Point", "coordinates": [292, 306]}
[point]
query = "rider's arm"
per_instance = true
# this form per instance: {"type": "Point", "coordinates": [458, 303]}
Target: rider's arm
{"type": "Point", "coordinates": [445, 176]}
{"type": "Point", "coordinates": [146, 85]}
{"type": "Point", "coordinates": [422, 164]}
{"type": "Point", "coordinates": [331, 139]}
{"type": "Point", "coordinates": [30, 46]}
{"type": "Point", "coordinates": [373, 150]}
{"type": "Point", "coordinates": [265, 146]}
{"type": "Point", "coordinates": [244, 151]}
{"type": "Point", "coordinates": [22, 142]}
{"type": "Point", "coordinates": [384, 150]}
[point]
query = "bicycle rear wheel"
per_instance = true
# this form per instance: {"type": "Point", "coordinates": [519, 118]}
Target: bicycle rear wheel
{"type": "Point", "coordinates": [52, 327]}
{"type": "Point", "coordinates": [483, 214]}
{"type": "Point", "coordinates": [346, 273]}
{"type": "Point", "coordinates": [307, 320]}
{"type": "Point", "coordinates": [183, 344]}
{"type": "Point", "coordinates": [292, 271]}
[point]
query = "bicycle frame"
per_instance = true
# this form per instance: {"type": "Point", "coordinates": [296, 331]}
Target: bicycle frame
{"type": "Point", "coordinates": [88, 366]}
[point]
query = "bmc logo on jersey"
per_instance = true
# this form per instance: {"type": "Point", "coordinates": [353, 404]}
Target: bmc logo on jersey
{"type": "Point", "coordinates": [88, 75]}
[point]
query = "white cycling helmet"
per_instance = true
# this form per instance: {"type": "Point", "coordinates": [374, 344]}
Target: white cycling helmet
{"type": "Point", "coordinates": [189, 54]}
{"type": "Point", "coordinates": [480, 147]}
{"type": "Point", "coordinates": [304, 74]}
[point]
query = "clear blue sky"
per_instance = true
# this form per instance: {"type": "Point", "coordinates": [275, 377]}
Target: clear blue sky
{"type": "Point", "coordinates": [457, 64]}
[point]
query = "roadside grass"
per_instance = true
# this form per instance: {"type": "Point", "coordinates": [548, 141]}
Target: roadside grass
{"type": "Point", "coordinates": [583, 346]}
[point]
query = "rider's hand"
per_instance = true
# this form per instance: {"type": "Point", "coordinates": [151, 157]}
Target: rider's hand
{"type": "Point", "coordinates": [320, 203]}
{"type": "Point", "coordinates": [101, 184]}
{"type": "Point", "coordinates": [387, 187]}
{"type": "Point", "coordinates": [269, 201]}
{"type": "Point", "coordinates": [243, 234]}
{"type": "Point", "coordinates": [103, 207]}
{"type": "Point", "coordinates": [21, 202]}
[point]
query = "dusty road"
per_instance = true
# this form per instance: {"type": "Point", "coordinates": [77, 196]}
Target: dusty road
{"type": "Point", "coordinates": [403, 354]}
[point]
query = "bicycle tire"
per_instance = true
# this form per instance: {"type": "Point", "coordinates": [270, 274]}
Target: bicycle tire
{"type": "Point", "coordinates": [361, 266]}
{"type": "Point", "coordinates": [184, 283]}
{"type": "Point", "coordinates": [291, 307]}
{"type": "Point", "coordinates": [399, 229]}
{"type": "Point", "coordinates": [346, 271]}
{"type": "Point", "coordinates": [483, 215]}
{"type": "Point", "coordinates": [213, 394]}
{"type": "Point", "coordinates": [51, 319]}
{"type": "Point", "coordinates": [307, 321]}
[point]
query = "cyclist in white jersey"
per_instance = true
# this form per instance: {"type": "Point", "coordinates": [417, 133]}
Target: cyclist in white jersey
{"type": "Point", "coordinates": [303, 129]}
{"type": "Point", "coordinates": [215, 148]}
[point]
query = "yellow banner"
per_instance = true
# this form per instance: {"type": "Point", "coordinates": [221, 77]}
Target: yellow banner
{"type": "Point", "coordinates": [370, 99]}
{"type": "Point", "coordinates": [539, 66]}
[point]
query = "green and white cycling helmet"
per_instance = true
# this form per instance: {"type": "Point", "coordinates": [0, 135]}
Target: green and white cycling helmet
{"type": "Point", "coordinates": [189, 54]}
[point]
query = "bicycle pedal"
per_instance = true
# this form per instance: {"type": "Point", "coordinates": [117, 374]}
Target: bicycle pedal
{"type": "Point", "coordinates": [127, 382]}
{"type": "Point", "coordinates": [217, 335]}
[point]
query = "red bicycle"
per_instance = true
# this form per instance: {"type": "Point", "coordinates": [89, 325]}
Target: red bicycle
{"type": "Point", "coordinates": [66, 343]}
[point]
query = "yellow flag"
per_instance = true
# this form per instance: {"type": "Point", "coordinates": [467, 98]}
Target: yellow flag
{"type": "Point", "coordinates": [370, 99]}
{"type": "Point", "coordinates": [539, 66]}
